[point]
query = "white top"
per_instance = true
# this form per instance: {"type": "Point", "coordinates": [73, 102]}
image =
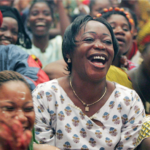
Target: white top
{"type": "Point", "coordinates": [52, 53]}
{"type": "Point", "coordinates": [60, 123]}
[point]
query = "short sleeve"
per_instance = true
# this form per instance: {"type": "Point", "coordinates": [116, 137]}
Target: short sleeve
{"type": "Point", "coordinates": [132, 126]}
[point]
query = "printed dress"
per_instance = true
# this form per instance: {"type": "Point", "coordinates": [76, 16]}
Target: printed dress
{"type": "Point", "coordinates": [60, 123]}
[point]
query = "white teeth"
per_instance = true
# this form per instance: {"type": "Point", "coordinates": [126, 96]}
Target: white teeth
{"type": "Point", "coordinates": [40, 24]}
{"type": "Point", "coordinates": [99, 57]}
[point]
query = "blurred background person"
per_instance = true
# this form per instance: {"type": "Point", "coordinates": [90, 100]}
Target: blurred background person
{"type": "Point", "coordinates": [39, 22]}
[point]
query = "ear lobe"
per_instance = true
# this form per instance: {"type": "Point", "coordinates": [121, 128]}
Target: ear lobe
{"type": "Point", "coordinates": [68, 56]}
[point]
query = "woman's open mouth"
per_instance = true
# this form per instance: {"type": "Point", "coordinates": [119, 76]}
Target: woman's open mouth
{"type": "Point", "coordinates": [98, 60]}
{"type": "Point", "coordinates": [40, 25]}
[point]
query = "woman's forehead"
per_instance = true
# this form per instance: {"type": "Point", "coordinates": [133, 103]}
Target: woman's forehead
{"type": "Point", "coordinates": [95, 27]}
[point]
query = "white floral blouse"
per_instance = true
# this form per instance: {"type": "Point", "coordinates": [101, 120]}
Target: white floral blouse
{"type": "Point", "coordinates": [60, 123]}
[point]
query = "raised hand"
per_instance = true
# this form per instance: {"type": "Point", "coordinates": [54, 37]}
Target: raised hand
{"type": "Point", "coordinates": [12, 136]}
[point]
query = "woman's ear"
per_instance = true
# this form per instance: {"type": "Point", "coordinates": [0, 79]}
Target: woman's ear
{"type": "Point", "coordinates": [68, 56]}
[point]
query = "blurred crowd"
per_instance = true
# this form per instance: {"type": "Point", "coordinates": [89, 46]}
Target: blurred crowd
{"type": "Point", "coordinates": [32, 43]}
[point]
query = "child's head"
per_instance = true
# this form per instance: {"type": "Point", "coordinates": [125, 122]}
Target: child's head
{"type": "Point", "coordinates": [40, 18]}
{"type": "Point", "coordinates": [96, 6]}
{"type": "Point", "coordinates": [121, 23]}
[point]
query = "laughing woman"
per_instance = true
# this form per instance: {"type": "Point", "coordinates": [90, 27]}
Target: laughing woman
{"type": "Point", "coordinates": [17, 114]}
{"type": "Point", "coordinates": [83, 110]}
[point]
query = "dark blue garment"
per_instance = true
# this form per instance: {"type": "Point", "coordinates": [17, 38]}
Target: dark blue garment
{"type": "Point", "coordinates": [15, 59]}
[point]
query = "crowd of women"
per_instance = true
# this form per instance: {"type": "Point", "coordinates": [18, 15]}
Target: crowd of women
{"type": "Point", "coordinates": [74, 75]}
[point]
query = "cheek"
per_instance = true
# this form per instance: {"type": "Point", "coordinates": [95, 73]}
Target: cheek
{"type": "Point", "coordinates": [31, 118]}
{"type": "Point", "coordinates": [15, 38]}
{"type": "Point", "coordinates": [49, 20]}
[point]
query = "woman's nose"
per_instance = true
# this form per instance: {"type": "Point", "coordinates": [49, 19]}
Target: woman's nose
{"type": "Point", "coordinates": [21, 117]}
{"type": "Point", "coordinates": [40, 16]}
{"type": "Point", "coordinates": [99, 45]}
{"type": "Point", "coordinates": [119, 30]}
{"type": "Point", "coordinates": [8, 34]}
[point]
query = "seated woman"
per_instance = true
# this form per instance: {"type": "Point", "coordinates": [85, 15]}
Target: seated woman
{"type": "Point", "coordinates": [121, 23]}
{"type": "Point", "coordinates": [17, 114]}
{"type": "Point", "coordinates": [83, 110]}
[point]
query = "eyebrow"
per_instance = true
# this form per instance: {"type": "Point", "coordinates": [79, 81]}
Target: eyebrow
{"type": "Point", "coordinates": [94, 33]}
{"type": "Point", "coordinates": [115, 23]}
{"type": "Point", "coordinates": [8, 101]}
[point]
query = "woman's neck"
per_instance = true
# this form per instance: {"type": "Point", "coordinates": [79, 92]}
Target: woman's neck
{"type": "Point", "coordinates": [87, 90]}
{"type": "Point", "coordinates": [41, 42]}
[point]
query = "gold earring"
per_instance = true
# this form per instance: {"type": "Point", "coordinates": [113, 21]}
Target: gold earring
{"type": "Point", "coordinates": [69, 60]}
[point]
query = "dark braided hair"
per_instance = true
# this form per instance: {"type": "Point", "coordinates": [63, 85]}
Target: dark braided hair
{"type": "Point", "coordinates": [6, 76]}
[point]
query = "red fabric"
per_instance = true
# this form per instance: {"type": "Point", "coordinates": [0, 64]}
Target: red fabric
{"type": "Point", "coordinates": [42, 76]}
{"type": "Point", "coordinates": [1, 18]}
{"type": "Point", "coordinates": [131, 65]}
{"type": "Point", "coordinates": [85, 2]}
{"type": "Point", "coordinates": [133, 51]}
{"type": "Point", "coordinates": [145, 40]}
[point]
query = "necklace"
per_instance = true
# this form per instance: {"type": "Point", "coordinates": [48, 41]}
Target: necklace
{"type": "Point", "coordinates": [87, 105]}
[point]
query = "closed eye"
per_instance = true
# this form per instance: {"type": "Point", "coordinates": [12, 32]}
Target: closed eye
{"type": "Point", "coordinates": [28, 109]}
{"type": "Point", "coordinates": [8, 108]}
{"type": "Point", "coordinates": [89, 39]}
{"type": "Point", "coordinates": [108, 42]}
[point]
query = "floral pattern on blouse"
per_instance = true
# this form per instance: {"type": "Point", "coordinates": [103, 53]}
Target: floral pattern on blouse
{"type": "Point", "coordinates": [62, 124]}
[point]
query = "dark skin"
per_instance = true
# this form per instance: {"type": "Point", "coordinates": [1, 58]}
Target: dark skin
{"type": "Point", "coordinates": [144, 145]}
{"type": "Point", "coordinates": [142, 73]}
{"type": "Point", "coordinates": [90, 75]}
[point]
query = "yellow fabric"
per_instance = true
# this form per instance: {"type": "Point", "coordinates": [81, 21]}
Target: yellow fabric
{"type": "Point", "coordinates": [117, 75]}
{"type": "Point", "coordinates": [144, 23]}
{"type": "Point", "coordinates": [144, 132]}
{"type": "Point", "coordinates": [144, 6]}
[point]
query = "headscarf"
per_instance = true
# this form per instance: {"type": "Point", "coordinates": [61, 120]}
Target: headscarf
{"type": "Point", "coordinates": [23, 38]}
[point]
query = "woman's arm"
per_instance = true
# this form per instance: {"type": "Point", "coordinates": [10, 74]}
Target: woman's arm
{"type": "Point", "coordinates": [64, 19]}
{"type": "Point", "coordinates": [44, 147]}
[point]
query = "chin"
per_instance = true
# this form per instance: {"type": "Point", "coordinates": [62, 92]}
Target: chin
{"type": "Point", "coordinates": [97, 76]}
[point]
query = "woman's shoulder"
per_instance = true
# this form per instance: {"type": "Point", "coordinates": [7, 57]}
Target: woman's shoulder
{"type": "Point", "coordinates": [125, 90]}
{"type": "Point", "coordinates": [52, 86]}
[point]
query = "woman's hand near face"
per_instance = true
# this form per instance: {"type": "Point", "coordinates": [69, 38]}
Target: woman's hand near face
{"type": "Point", "coordinates": [12, 136]}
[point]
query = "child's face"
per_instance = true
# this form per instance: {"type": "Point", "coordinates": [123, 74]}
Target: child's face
{"type": "Point", "coordinates": [122, 32]}
{"type": "Point", "coordinates": [98, 6]}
